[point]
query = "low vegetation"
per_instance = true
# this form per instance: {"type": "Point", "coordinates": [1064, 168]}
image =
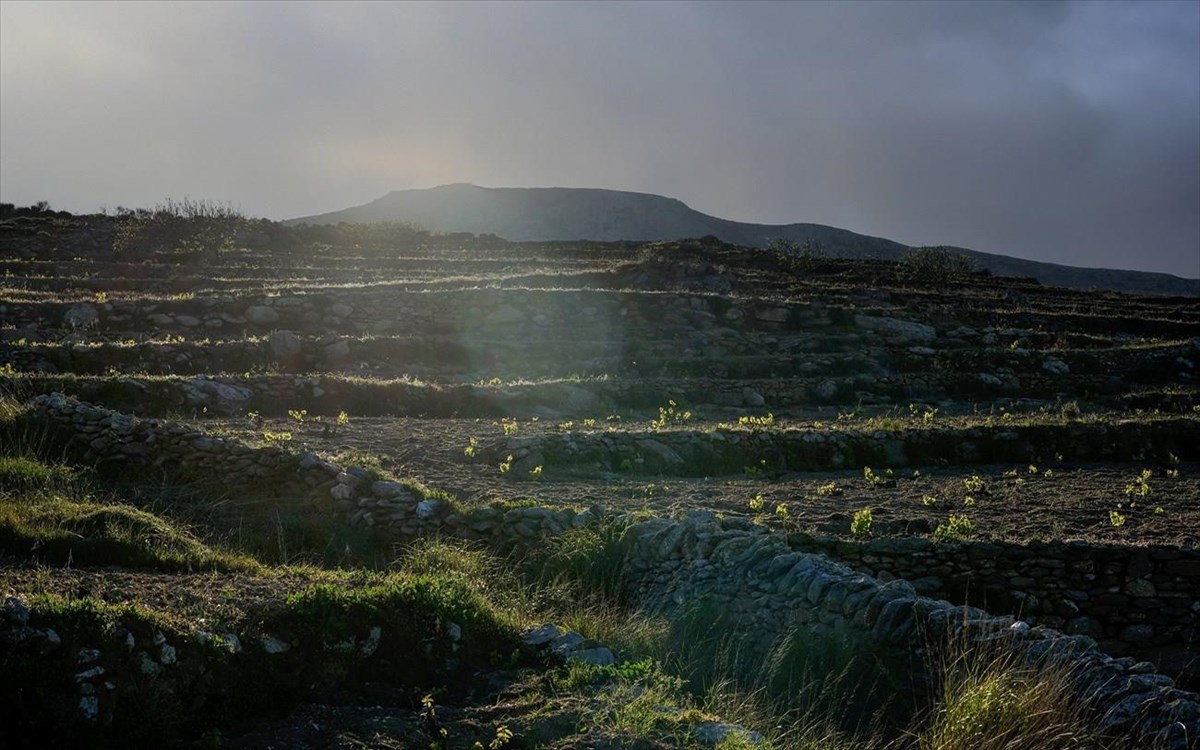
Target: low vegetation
{"type": "Point", "coordinates": [841, 403]}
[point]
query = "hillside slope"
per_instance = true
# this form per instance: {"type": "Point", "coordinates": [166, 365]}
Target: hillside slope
{"type": "Point", "coordinates": [545, 214]}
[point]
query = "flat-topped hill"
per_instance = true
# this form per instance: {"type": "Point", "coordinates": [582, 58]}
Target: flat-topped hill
{"type": "Point", "coordinates": [567, 214]}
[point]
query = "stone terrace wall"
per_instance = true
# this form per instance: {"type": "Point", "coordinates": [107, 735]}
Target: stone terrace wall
{"type": "Point", "coordinates": [753, 575]}
{"type": "Point", "coordinates": [396, 508]}
{"type": "Point", "coordinates": [1141, 601]}
{"type": "Point", "coordinates": [705, 452]}
{"type": "Point", "coordinates": [322, 394]}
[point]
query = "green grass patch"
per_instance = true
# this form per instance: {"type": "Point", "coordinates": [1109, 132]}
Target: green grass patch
{"type": "Point", "coordinates": [22, 473]}
{"type": "Point", "coordinates": [54, 528]}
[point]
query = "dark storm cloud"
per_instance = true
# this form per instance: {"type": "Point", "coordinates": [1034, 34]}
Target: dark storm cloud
{"type": "Point", "coordinates": [1062, 132]}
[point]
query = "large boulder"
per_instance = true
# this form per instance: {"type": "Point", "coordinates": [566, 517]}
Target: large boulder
{"type": "Point", "coordinates": [81, 316]}
{"type": "Point", "coordinates": [221, 398]}
{"type": "Point", "coordinates": [908, 329]}
{"type": "Point", "coordinates": [261, 315]}
{"type": "Point", "coordinates": [337, 351]}
{"type": "Point", "coordinates": [285, 344]}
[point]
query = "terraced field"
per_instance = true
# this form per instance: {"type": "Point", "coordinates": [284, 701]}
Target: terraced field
{"type": "Point", "coordinates": [1029, 450]}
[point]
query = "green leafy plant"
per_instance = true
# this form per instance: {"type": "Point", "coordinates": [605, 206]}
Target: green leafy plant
{"type": "Point", "coordinates": [750, 421]}
{"type": "Point", "coordinates": [829, 488]}
{"type": "Point", "coordinates": [756, 471]}
{"type": "Point", "coordinates": [1117, 519]}
{"type": "Point", "coordinates": [887, 479]}
{"type": "Point", "coordinates": [506, 464]}
{"type": "Point", "coordinates": [973, 483]}
{"type": "Point", "coordinates": [670, 414]}
{"type": "Point", "coordinates": [956, 529]}
{"type": "Point", "coordinates": [1140, 486]}
{"type": "Point", "coordinates": [860, 525]}
{"type": "Point", "coordinates": [472, 445]}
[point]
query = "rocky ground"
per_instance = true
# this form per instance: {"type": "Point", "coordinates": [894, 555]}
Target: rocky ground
{"type": "Point", "coordinates": [667, 378]}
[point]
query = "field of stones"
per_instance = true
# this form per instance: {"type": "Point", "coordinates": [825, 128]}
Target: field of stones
{"type": "Point", "coordinates": [372, 487]}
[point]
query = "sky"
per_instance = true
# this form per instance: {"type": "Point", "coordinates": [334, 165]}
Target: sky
{"type": "Point", "coordinates": [1064, 132]}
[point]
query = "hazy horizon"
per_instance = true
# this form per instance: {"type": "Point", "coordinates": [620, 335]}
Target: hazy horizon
{"type": "Point", "coordinates": [1061, 132]}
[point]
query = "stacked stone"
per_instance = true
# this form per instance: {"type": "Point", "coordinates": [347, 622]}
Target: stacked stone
{"type": "Point", "coordinates": [1131, 599]}
{"type": "Point", "coordinates": [701, 452]}
{"type": "Point", "coordinates": [752, 575]}
{"type": "Point", "coordinates": [391, 507]}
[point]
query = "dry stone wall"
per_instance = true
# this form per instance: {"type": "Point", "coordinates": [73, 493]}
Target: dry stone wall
{"type": "Point", "coordinates": [753, 575]}
{"type": "Point", "coordinates": [705, 452]}
{"type": "Point", "coordinates": [1140, 601]}
{"type": "Point", "coordinates": [108, 437]}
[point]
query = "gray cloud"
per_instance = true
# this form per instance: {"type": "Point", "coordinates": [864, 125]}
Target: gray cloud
{"type": "Point", "coordinates": [1061, 132]}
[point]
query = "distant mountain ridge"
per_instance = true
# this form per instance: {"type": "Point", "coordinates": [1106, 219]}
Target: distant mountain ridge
{"type": "Point", "coordinates": [566, 214]}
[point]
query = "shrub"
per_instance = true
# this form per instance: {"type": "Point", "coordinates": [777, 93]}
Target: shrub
{"type": "Point", "coordinates": [935, 264]}
{"type": "Point", "coordinates": [199, 228]}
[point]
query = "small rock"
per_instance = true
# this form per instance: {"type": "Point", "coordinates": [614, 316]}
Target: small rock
{"type": "Point", "coordinates": [89, 707]}
{"type": "Point", "coordinates": [428, 508]}
{"type": "Point", "coordinates": [273, 645]}
{"type": "Point", "coordinates": [89, 674]}
{"type": "Point", "coordinates": [1055, 366]}
{"type": "Point", "coordinates": [371, 644]}
{"type": "Point", "coordinates": [15, 611]}
{"type": "Point", "coordinates": [566, 643]}
{"type": "Point", "coordinates": [896, 326]}
{"type": "Point", "coordinates": [752, 398]}
{"type": "Point", "coordinates": [716, 732]}
{"type": "Point", "coordinates": [50, 641]}
{"type": "Point", "coordinates": [389, 489]}
{"type": "Point", "coordinates": [147, 665]}
{"type": "Point", "coordinates": [541, 635]}
{"type": "Point", "coordinates": [1140, 587]}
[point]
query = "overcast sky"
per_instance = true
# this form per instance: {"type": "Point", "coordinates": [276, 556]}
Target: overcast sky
{"type": "Point", "coordinates": [1061, 132]}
